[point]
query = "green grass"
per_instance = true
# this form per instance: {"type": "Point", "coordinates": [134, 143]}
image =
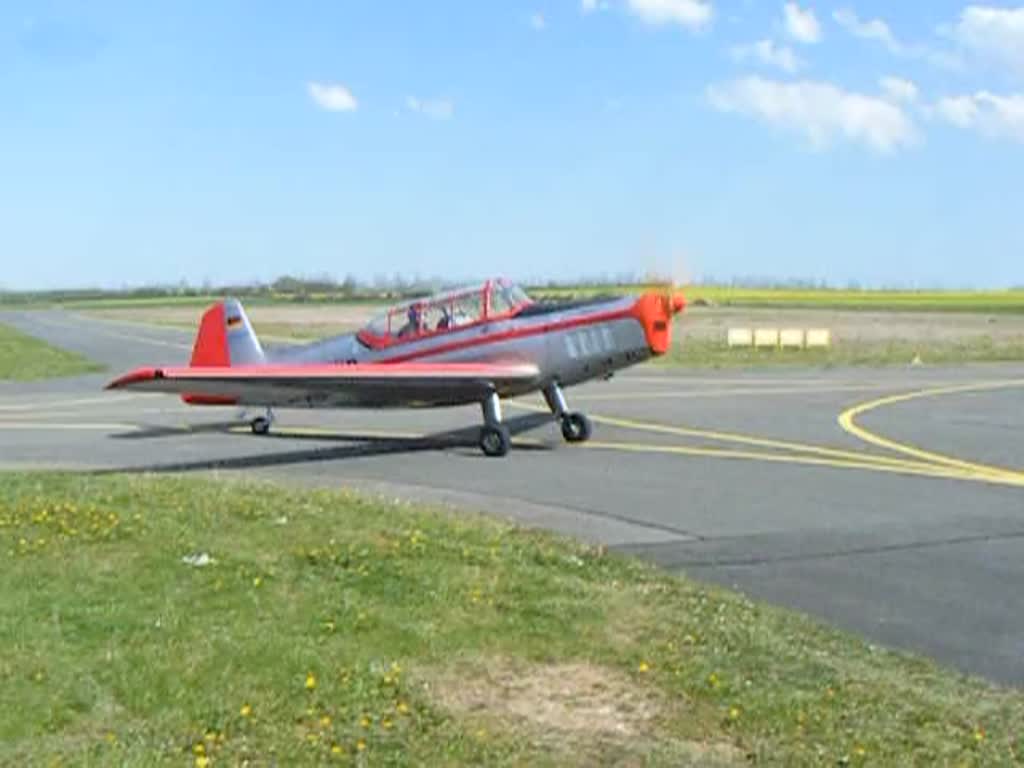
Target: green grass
{"type": "Point", "coordinates": [331, 627]}
{"type": "Point", "coordinates": [989, 301]}
{"type": "Point", "coordinates": [25, 358]}
{"type": "Point", "coordinates": [786, 298]}
{"type": "Point", "coordinates": [706, 353]}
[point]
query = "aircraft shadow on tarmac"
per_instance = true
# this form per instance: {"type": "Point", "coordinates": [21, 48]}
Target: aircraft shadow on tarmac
{"type": "Point", "coordinates": [356, 445]}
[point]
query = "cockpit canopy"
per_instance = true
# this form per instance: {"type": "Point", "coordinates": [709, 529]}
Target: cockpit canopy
{"type": "Point", "coordinates": [444, 312]}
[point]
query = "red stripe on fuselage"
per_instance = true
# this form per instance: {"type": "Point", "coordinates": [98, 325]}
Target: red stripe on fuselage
{"type": "Point", "coordinates": [515, 333]}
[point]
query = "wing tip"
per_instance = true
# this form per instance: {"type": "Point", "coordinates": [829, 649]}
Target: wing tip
{"type": "Point", "coordinates": [136, 376]}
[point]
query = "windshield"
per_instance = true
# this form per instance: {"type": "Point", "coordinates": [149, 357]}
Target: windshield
{"type": "Point", "coordinates": [445, 312]}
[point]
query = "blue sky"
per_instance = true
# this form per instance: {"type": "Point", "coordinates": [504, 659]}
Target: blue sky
{"type": "Point", "coordinates": [871, 141]}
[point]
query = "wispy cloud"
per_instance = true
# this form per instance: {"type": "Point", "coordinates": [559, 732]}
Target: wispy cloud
{"type": "Point", "coordinates": [996, 34]}
{"type": "Point", "coordinates": [898, 89]}
{"type": "Point", "coordinates": [989, 114]}
{"type": "Point", "coordinates": [768, 53]}
{"type": "Point", "coordinates": [868, 29]}
{"type": "Point", "coordinates": [589, 6]}
{"type": "Point", "coordinates": [537, 21]}
{"type": "Point", "coordinates": [334, 97]}
{"type": "Point", "coordinates": [878, 31]}
{"type": "Point", "coordinates": [435, 109]}
{"type": "Point", "coordinates": [691, 14]}
{"type": "Point", "coordinates": [801, 25]}
{"type": "Point", "coordinates": [821, 112]}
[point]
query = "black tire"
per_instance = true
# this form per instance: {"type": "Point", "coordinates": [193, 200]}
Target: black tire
{"type": "Point", "coordinates": [576, 428]}
{"type": "Point", "coordinates": [495, 441]}
{"type": "Point", "coordinates": [260, 425]}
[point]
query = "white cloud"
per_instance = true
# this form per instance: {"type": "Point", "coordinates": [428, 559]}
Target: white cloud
{"type": "Point", "coordinates": [589, 6]}
{"type": "Point", "coordinates": [768, 53]}
{"type": "Point", "coordinates": [801, 25]}
{"type": "Point", "coordinates": [692, 14]}
{"type": "Point", "coordinates": [995, 33]}
{"type": "Point", "coordinates": [961, 111]}
{"type": "Point", "coordinates": [988, 113]}
{"type": "Point", "coordinates": [878, 31]}
{"type": "Point", "coordinates": [873, 29]}
{"type": "Point", "coordinates": [898, 89]}
{"type": "Point", "coordinates": [435, 109]}
{"type": "Point", "coordinates": [537, 21]}
{"type": "Point", "coordinates": [334, 97]}
{"type": "Point", "coordinates": [819, 111]}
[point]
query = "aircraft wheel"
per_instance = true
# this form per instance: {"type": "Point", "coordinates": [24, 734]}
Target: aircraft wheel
{"type": "Point", "coordinates": [495, 440]}
{"type": "Point", "coordinates": [576, 427]}
{"type": "Point", "coordinates": [260, 425]}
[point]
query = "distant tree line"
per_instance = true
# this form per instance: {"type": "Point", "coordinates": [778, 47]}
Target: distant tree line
{"type": "Point", "coordinates": [398, 286]}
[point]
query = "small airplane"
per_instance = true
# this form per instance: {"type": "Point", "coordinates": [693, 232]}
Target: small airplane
{"type": "Point", "coordinates": [472, 345]}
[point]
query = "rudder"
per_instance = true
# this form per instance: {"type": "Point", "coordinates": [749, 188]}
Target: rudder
{"type": "Point", "coordinates": [226, 338]}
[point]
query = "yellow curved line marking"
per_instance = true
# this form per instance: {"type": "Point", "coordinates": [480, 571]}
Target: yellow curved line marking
{"type": "Point", "coordinates": [720, 453]}
{"type": "Point", "coordinates": [757, 442]}
{"type": "Point", "coordinates": [718, 393]}
{"type": "Point", "coordinates": [847, 421]}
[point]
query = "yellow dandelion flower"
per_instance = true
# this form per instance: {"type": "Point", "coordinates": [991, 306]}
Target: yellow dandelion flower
{"type": "Point", "coordinates": [336, 750]}
{"type": "Point", "coordinates": [979, 734]}
{"type": "Point", "coordinates": [365, 722]}
{"type": "Point", "coordinates": [386, 724]}
{"type": "Point", "coordinates": [325, 721]}
{"type": "Point", "coordinates": [360, 745]}
{"type": "Point", "coordinates": [402, 707]}
{"type": "Point", "coordinates": [202, 761]}
{"type": "Point", "coordinates": [199, 748]}
{"type": "Point", "coordinates": [257, 581]}
{"type": "Point", "coordinates": [246, 710]}
{"type": "Point", "coordinates": [713, 680]}
{"type": "Point", "coordinates": [734, 713]}
{"type": "Point", "coordinates": [644, 666]}
{"type": "Point", "coordinates": [310, 681]}
{"type": "Point", "coordinates": [859, 751]}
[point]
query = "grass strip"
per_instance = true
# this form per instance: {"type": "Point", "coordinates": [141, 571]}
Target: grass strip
{"type": "Point", "coordinates": [171, 621]}
{"type": "Point", "coordinates": [26, 358]}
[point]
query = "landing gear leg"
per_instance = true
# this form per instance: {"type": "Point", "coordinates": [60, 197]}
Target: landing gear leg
{"type": "Point", "coordinates": [495, 439]}
{"type": "Point", "coordinates": [576, 427]}
{"type": "Point", "coordinates": [261, 424]}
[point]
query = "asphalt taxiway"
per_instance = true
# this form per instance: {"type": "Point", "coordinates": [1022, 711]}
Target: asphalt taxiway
{"type": "Point", "coordinates": [886, 501]}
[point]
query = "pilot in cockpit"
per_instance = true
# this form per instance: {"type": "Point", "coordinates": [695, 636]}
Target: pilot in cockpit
{"type": "Point", "coordinates": [446, 319]}
{"type": "Point", "coordinates": [414, 321]}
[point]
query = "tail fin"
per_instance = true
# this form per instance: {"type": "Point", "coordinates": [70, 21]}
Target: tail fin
{"type": "Point", "coordinates": [226, 338]}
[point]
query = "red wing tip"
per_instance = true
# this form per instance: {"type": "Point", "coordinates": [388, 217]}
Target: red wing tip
{"type": "Point", "coordinates": [135, 377]}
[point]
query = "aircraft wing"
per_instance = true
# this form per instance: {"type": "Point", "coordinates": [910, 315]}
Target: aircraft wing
{"type": "Point", "coordinates": [378, 385]}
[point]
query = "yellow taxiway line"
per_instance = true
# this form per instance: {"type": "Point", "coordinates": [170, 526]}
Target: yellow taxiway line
{"type": "Point", "coordinates": [847, 421]}
{"type": "Point", "coordinates": [749, 440]}
{"type": "Point", "coordinates": [779, 458]}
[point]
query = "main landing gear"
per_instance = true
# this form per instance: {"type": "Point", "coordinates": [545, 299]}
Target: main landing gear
{"type": "Point", "coordinates": [576, 427]}
{"type": "Point", "coordinates": [261, 424]}
{"type": "Point", "coordinates": [496, 440]}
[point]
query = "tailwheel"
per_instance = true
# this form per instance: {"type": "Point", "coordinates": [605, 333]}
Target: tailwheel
{"type": "Point", "coordinates": [260, 425]}
{"type": "Point", "coordinates": [576, 427]}
{"type": "Point", "coordinates": [495, 440]}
